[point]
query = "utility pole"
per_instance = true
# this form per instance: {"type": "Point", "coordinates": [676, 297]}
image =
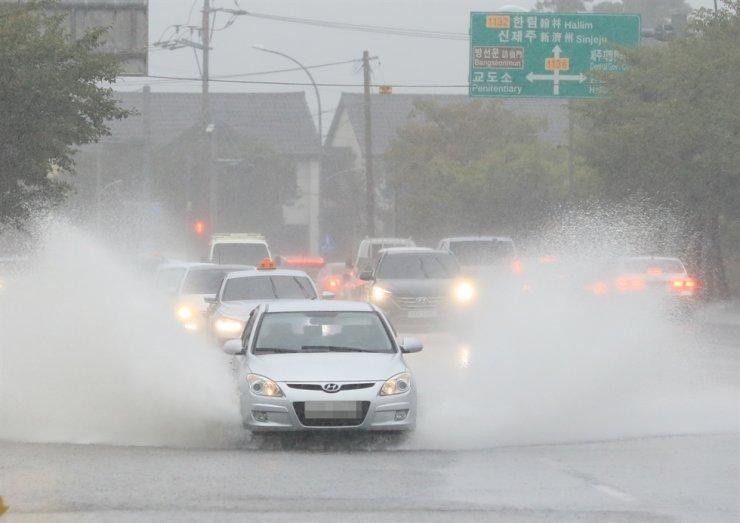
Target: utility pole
{"type": "Point", "coordinates": [369, 175]}
{"type": "Point", "coordinates": [205, 37]}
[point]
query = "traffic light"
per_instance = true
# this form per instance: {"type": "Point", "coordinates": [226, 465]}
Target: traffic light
{"type": "Point", "coordinates": [199, 227]}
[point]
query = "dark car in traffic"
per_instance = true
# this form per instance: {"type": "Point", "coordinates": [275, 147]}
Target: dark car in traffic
{"type": "Point", "coordinates": [417, 285]}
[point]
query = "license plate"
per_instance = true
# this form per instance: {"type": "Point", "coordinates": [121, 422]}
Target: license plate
{"type": "Point", "coordinates": [332, 410]}
{"type": "Point", "coordinates": [423, 314]}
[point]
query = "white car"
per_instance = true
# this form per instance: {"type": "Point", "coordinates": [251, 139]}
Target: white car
{"type": "Point", "coordinates": [242, 291]}
{"type": "Point", "coordinates": [323, 365]}
{"type": "Point", "coordinates": [198, 283]}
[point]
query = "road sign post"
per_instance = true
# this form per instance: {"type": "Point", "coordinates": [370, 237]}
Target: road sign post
{"type": "Point", "coordinates": [546, 55]}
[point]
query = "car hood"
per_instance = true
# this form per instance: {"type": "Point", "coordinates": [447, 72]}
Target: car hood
{"type": "Point", "coordinates": [416, 287]}
{"type": "Point", "coordinates": [330, 366]}
{"type": "Point", "coordinates": [237, 309]}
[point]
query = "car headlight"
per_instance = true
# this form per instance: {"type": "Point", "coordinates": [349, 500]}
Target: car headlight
{"type": "Point", "coordinates": [379, 294]}
{"type": "Point", "coordinates": [464, 292]}
{"type": "Point", "coordinates": [397, 384]}
{"type": "Point", "coordinates": [262, 386]}
{"type": "Point", "coordinates": [229, 327]}
{"type": "Point", "coordinates": [185, 313]}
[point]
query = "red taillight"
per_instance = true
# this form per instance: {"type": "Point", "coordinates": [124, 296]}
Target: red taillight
{"type": "Point", "coordinates": [517, 267]}
{"type": "Point", "coordinates": [629, 284]}
{"type": "Point", "coordinates": [548, 259]}
{"type": "Point", "coordinates": [298, 261]}
{"type": "Point", "coordinates": [599, 288]}
{"type": "Point", "coordinates": [332, 283]}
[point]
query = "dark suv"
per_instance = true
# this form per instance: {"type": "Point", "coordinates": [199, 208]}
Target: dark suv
{"type": "Point", "coordinates": [416, 285]}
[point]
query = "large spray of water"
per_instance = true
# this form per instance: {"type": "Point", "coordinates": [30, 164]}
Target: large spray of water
{"type": "Point", "coordinates": [89, 353]}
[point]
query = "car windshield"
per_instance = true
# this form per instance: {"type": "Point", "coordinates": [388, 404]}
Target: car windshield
{"type": "Point", "coordinates": [418, 266]}
{"type": "Point", "coordinates": [284, 332]}
{"type": "Point", "coordinates": [169, 279]}
{"type": "Point", "coordinates": [268, 288]}
{"type": "Point", "coordinates": [245, 253]}
{"type": "Point", "coordinates": [482, 252]}
{"type": "Point", "coordinates": [204, 281]}
{"type": "Point", "coordinates": [653, 266]}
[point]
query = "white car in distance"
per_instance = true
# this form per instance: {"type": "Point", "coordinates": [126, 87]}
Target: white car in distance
{"type": "Point", "coordinates": [242, 291]}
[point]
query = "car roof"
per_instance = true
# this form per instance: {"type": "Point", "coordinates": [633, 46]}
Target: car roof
{"type": "Point", "coordinates": [266, 272]}
{"type": "Point", "coordinates": [318, 306]}
{"type": "Point", "coordinates": [389, 240]}
{"type": "Point", "coordinates": [233, 268]}
{"type": "Point", "coordinates": [656, 258]}
{"type": "Point", "coordinates": [478, 239]}
{"type": "Point", "coordinates": [409, 250]}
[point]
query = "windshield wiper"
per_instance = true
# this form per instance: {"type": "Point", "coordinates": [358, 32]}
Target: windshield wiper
{"type": "Point", "coordinates": [275, 350]}
{"type": "Point", "coordinates": [330, 348]}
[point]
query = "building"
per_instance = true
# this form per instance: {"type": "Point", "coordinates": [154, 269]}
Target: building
{"type": "Point", "coordinates": [158, 156]}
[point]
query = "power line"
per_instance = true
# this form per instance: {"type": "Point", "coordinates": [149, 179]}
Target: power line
{"type": "Point", "coordinates": [398, 31]}
{"type": "Point", "coordinates": [271, 71]}
{"type": "Point", "coordinates": [304, 84]}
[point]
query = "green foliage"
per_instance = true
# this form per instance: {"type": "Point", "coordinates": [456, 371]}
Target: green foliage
{"type": "Point", "coordinates": [654, 12]}
{"type": "Point", "coordinates": [670, 132]}
{"type": "Point", "coordinates": [562, 6]}
{"type": "Point", "coordinates": [473, 167]}
{"type": "Point", "coordinates": [50, 102]}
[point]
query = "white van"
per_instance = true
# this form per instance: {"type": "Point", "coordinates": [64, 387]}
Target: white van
{"type": "Point", "coordinates": [238, 248]}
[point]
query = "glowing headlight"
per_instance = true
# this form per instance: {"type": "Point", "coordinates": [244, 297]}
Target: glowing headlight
{"type": "Point", "coordinates": [397, 384]}
{"type": "Point", "coordinates": [464, 292]}
{"type": "Point", "coordinates": [229, 327]}
{"type": "Point", "coordinates": [379, 294]}
{"type": "Point", "coordinates": [262, 386]}
{"type": "Point", "coordinates": [185, 312]}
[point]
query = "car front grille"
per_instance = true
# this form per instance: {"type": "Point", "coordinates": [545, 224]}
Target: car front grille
{"type": "Point", "coordinates": [345, 386]}
{"type": "Point", "coordinates": [300, 407]}
{"type": "Point", "coordinates": [418, 302]}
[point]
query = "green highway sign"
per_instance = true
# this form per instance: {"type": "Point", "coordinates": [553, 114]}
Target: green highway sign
{"type": "Point", "coordinates": [546, 54]}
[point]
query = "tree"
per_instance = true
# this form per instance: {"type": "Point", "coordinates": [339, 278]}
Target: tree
{"type": "Point", "coordinates": [251, 187]}
{"type": "Point", "coordinates": [562, 6]}
{"type": "Point", "coordinates": [51, 101]}
{"type": "Point", "coordinates": [669, 133]}
{"type": "Point", "coordinates": [473, 167]}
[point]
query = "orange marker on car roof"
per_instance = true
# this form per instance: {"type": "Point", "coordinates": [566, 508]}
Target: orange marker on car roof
{"type": "Point", "coordinates": [266, 264]}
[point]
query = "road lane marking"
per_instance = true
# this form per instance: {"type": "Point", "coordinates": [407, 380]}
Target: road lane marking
{"type": "Point", "coordinates": [614, 492]}
{"type": "Point", "coordinates": [593, 482]}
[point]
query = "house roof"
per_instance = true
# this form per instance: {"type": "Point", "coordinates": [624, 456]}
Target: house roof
{"type": "Point", "coordinates": [280, 120]}
{"type": "Point", "coordinates": [391, 112]}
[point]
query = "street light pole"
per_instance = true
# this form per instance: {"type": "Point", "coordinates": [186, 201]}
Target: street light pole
{"type": "Point", "coordinates": [310, 77]}
{"type": "Point", "coordinates": [314, 177]}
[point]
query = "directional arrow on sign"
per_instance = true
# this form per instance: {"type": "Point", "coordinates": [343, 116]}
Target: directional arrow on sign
{"type": "Point", "coordinates": [556, 77]}
{"type": "Point", "coordinates": [580, 78]}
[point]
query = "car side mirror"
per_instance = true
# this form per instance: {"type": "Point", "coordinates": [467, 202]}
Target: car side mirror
{"type": "Point", "coordinates": [326, 295]}
{"type": "Point", "coordinates": [210, 300]}
{"type": "Point", "coordinates": [366, 276]}
{"type": "Point", "coordinates": [409, 345]}
{"type": "Point", "coordinates": [233, 347]}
